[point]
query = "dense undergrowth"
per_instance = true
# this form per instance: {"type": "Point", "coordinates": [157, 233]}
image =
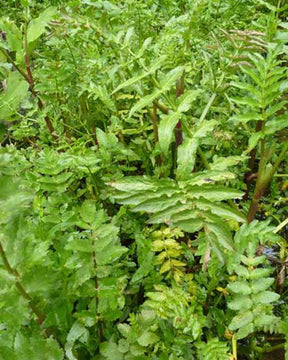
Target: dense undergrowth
{"type": "Point", "coordinates": [143, 179]}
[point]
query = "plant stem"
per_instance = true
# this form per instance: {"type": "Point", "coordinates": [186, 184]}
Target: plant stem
{"type": "Point", "coordinates": [153, 116]}
{"type": "Point", "coordinates": [20, 288]}
{"type": "Point", "coordinates": [96, 287]}
{"type": "Point", "coordinates": [30, 81]}
{"type": "Point", "coordinates": [161, 107]}
{"type": "Point", "coordinates": [263, 179]}
{"type": "Point", "coordinates": [234, 347]}
{"type": "Point", "coordinates": [178, 129]}
{"type": "Point", "coordinates": [207, 107]}
{"type": "Point", "coordinates": [280, 226]}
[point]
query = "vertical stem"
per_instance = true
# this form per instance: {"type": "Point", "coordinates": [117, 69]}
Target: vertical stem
{"type": "Point", "coordinates": [96, 287]}
{"type": "Point", "coordinates": [234, 347]}
{"type": "Point", "coordinates": [178, 128]}
{"type": "Point", "coordinates": [153, 116]}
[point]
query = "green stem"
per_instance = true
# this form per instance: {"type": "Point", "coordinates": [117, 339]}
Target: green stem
{"type": "Point", "coordinates": [263, 179]}
{"type": "Point", "coordinates": [280, 226]}
{"type": "Point", "coordinates": [203, 158]}
{"type": "Point", "coordinates": [162, 107]}
{"type": "Point", "coordinates": [207, 107]}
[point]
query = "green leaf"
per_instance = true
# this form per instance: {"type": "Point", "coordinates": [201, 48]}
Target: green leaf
{"type": "Point", "coordinates": [253, 141]}
{"type": "Point", "coordinates": [187, 98]}
{"type": "Point", "coordinates": [207, 177]}
{"type": "Point", "coordinates": [30, 348]}
{"type": "Point", "coordinates": [88, 211]}
{"type": "Point", "coordinates": [268, 5]}
{"type": "Point", "coordinates": [166, 130]}
{"type": "Point", "coordinates": [221, 210]}
{"type": "Point", "coordinates": [37, 27]}
{"type": "Point", "coordinates": [204, 127]}
{"type": "Point", "coordinates": [223, 163]}
{"type": "Point", "coordinates": [110, 351]}
{"type": "Point", "coordinates": [261, 284]}
{"type": "Point", "coordinates": [275, 125]}
{"type": "Point", "coordinates": [214, 192]}
{"type": "Point", "coordinates": [241, 320]}
{"type": "Point", "coordinates": [147, 338]}
{"type": "Point", "coordinates": [77, 331]}
{"type": "Point", "coordinates": [10, 100]}
{"type": "Point", "coordinates": [241, 287]}
{"type": "Point", "coordinates": [240, 303]}
{"type": "Point", "coordinates": [186, 155]}
{"type": "Point", "coordinates": [266, 297]}
{"type": "Point", "coordinates": [190, 226]}
{"type": "Point", "coordinates": [141, 76]}
{"type": "Point", "coordinates": [252, 116]}
{"type": "Point", "coordinates": [170, 78]}
{"type": "Point", "coordinates": [165, 85]}
{"type": "Point", "coordinates": [13, 36]}
{"type": "Point", "coordinates": [222, 234]}
{"type": "Point", "coordinates": [245, 331]}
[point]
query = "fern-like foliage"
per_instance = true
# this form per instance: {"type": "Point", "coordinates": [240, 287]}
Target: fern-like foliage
{"type": "Point", "coordinates": [169, 253]}
{"type": "Point", "coordinates": [213, 350]}
{"type": "Point", "coordinates": [263, 86]}
{"type": "Point", "coordinates": [252, 296]}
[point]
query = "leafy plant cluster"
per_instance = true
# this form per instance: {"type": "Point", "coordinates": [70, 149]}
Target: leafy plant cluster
{"type": "Point", "coordinates": [143, 176]}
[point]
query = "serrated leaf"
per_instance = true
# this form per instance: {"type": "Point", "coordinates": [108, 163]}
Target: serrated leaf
{"type": "Point", "coordinates": [144, 102]}
{"type": "Point", "coordinates": [214, 192]}
{"type": "Point", "coordinates": [207, 177]}
{"type": "Point", "coordinates": [259, 273]}
{"type": "Point", "coordinates": [158, 204]}
{"type": "Point", "coordinates": [261, 284]}
{"type": "Point", "coordinates": [240, 287]}
{"type": "Point", "coordinates": [247, 101]}
{"type": "Point", "coordinates": [240, 303]}
{"type": "Point", "coordinates": [189, 225]}
{"type": "Point", "coordinates": [110, 351]}
{"type": "Point", "coordinates": [245, 86]}
{"type": "Point", "coordinates": [222, 234]}
{"type": "Point", "coordinates": [241, 320]}
{"type": "Point", "coordinates": [147, 338]}
{"type": "Point", "coordinates": [245, 331]}
{"type": "Point", "coordinates": [88, 211]}
{"type": "Point", "coordinates": [266, 297]}
{"type": "Point", "coordinates": [221, 210]}
{"type": "Point", "coordinates": [30, 348]}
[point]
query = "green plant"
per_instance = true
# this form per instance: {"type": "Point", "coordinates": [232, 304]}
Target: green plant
{"type": "Point", "coordinates": [134, 162]}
